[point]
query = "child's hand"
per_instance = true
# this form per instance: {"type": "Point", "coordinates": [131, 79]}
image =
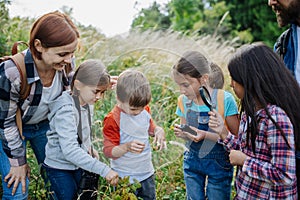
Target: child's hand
{"type": "Point", "coordinates": [186, 135]}
{"type": "Point", "coordinates": [178, 132]}
{"type": "Point", "coordinates": [95, 153]}
{"type": "Point", "coordinates": [112, 177]}
{"type": "Point", "coordinates": [135, 146]}
{"type": "Point", "coordinates": [237, 157]}
{"type": "Point", "coordinates": [160, 138]}
{"type": "Point", "coordinates": [113, 81]}
{"type": "Point", "coordinates": [216, 123]}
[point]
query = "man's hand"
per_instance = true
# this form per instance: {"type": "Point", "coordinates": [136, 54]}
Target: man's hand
{"type": "Point", "coordinates": [17, 175]}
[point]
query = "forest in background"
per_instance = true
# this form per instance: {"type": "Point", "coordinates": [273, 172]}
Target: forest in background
{"type": "Point", "coordinates": [242, 21]}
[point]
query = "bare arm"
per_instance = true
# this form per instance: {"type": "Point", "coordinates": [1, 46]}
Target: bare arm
{"type": "Point", "coordinates": [134, 146]}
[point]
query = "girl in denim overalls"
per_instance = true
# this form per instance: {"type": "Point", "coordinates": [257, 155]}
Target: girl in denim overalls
{"type": "Point", "coordinates": [207, 171]}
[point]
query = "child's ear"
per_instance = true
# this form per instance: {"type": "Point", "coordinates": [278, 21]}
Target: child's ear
{"type": "Point", "coordinates": [78, 85]}
{"type": "Point", "coordinates": [205, 78]}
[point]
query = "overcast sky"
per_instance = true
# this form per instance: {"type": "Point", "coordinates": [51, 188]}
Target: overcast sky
{"type": "Point", "coordinates": [110, 16]}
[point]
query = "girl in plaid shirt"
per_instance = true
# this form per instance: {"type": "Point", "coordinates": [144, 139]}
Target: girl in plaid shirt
{"type": "Point", "coordinates": [264, 151]}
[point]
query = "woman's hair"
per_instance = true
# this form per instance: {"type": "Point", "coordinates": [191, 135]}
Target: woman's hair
{"type": "Point", "coordinates": [91, 72]}
{"type": "Point", "coordinates": [192, 63]}
{"type": "Point", "coordinates": [133, 88]}
{"type": "Point", "coordinates": [216, 77]}
{"type": "Point", "coordinates": [53, 29]}
{"type": "Point", "coordinates": [266, 80]}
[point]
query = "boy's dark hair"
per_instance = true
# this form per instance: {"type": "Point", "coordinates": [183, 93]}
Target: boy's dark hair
{"type": "Point", "coordinates": [133, 88]}
{"type": "Point", "coordinates": [216, 76]}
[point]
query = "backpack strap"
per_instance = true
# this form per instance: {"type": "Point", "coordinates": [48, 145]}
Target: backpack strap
{"type": "Point", "coordinates": [220, 101]}
{"type": "Point", "coordinates": [79, 127]}
{"type": "Point", "coordinates": [180, 103]}
{"type": "Point", "coordinates": [282, 43]}
{"type": "Point", "coordinates": [18, 59]}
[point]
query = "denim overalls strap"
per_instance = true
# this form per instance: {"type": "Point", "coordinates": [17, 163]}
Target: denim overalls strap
{"type": "Point", "coordinates": [205, 148]}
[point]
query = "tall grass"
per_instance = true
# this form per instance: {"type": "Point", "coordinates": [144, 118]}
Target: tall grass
{"type": "Point", "coordinates": [153, 53]}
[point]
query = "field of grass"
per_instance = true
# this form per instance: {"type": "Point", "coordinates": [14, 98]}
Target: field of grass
{"type": "Point", "coordinates": [153, 53]}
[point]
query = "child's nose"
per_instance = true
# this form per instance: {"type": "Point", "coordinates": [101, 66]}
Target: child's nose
{"type": "Point", "coordinates": [99, 95]}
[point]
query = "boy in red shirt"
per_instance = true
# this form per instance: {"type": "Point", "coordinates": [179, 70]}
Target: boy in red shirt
{"type": "Point", "coordinates": [126, 133]}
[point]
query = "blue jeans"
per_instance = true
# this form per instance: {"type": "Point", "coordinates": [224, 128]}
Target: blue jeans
{"type": "Point", "coordinates": [218, 172]}
{"type": "Point", "coordinates": [63, 183]}
{"type": "Point", "coordinates": [36, 135]}
{"type": "Point", "coordinates": [4, 170]}
{"type": "Point", "coordinates": [147, 189]}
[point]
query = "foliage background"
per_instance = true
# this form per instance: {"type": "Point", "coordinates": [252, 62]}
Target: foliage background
{"type": "Point", "coordinates": [159, 35]}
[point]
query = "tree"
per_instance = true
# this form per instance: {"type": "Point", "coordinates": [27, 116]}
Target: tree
{"type": "Point", "coordinates": [3, 21]}
{"type": "Point", "coordinates": [250, 20]}
{"type": "Point", "coordinates": [151, 18]}
{"type": "Point", "coordinates": [185, 13]}
{"type": "Point", "coordinates": [256, 17]}
{"type": "Point", "coordinates": [216, 21]}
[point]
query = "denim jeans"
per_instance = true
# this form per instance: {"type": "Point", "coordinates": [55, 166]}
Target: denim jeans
{"type": "Point", "coordinates": [63, 183]}
{"type": "Point", "coordinates": [218, 173]}
{"type": "Point", "coordinates": [147, 189]}
{"type": "Point", "coordinates": [36, 135]}
{"type": "Point", "coordinates": [4, 170]}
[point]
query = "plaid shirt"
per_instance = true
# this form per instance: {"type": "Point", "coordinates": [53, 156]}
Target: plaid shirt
{"type": "Point", "coordinates": [9, 101]}
{"type": "Point", "coordinates": [270, 173]}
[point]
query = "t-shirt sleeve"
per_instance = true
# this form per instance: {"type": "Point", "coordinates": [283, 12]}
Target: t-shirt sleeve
{"type": "Point", "coordinates": [230, 105]}
{"type": "Point", "coordinates": [152, 123]}
{"type": "Point", "coordinates": [111, 135]}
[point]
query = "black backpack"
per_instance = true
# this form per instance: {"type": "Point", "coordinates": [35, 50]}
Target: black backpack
{"type": "Point", "coordinates": [282, 43]}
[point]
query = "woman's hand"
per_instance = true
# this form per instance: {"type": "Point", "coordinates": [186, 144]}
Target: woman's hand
{"type": "Point", "coordinates": [17, 175]}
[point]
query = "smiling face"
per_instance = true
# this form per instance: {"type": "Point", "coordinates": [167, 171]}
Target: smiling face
{"type": "Point", "coordinates": [287, 11]}
{"type": "Point", "coordinates": [56, 57]}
